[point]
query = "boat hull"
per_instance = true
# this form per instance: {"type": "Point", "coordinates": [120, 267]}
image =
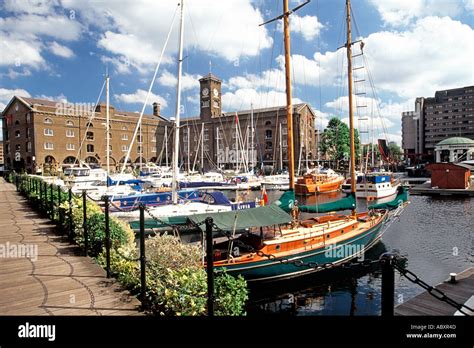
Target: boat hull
{"type": "Point", "coordinates": [312, 188]}
{"type": "Point", "coordinates": [267, 270]}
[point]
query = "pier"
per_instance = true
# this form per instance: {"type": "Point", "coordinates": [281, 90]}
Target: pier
{"type": "Point", "coordinates": [426, 190]}
{"type": "Point", "coordinates": [461, 291]}
{"type": "Point", "coordinates": [54, 278]}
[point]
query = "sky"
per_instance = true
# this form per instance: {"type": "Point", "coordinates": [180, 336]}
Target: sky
{"type": "Point", "coordinates": [61, 49]}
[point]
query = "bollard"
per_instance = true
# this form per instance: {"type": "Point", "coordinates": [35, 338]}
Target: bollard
{"type": "Point", "coordinates": [84, 221]}
{"type": "Point", "coordinates": [142, 254]}
{"type": "Point", "coordinates": [388, 284]}
{"type": "Point", "coordinates": [107, 236]}
{"type": "Point", "coordinates": [70, 214]}
{"type": "Point", "coordinates": [210, 268]}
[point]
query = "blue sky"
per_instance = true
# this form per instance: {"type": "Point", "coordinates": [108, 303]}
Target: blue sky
{"type": "Point", "coordinates": [60, 49]}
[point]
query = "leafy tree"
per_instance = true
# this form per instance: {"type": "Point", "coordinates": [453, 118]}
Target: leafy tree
{"type": "Point", "coordinates": [395, 151]}
{"type": "Point", "coordinates": [335, 141]}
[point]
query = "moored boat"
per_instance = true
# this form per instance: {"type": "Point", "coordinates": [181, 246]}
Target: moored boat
{"type": "Point", "coordinates": [318, 183]}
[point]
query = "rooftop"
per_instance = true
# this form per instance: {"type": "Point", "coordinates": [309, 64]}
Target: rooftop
{"type": "Point", "coordinates": [456, 141]}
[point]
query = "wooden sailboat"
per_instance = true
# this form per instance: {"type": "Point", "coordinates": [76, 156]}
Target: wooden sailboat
{"type": "Point", "coordinates": [332, 239]}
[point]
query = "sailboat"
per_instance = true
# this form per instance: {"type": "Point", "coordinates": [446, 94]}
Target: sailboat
{"type": "Point", "coordinates": [277, 243]}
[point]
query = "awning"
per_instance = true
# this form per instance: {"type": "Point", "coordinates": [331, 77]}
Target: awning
{"type": "Point", "coordinates": [246, 218]}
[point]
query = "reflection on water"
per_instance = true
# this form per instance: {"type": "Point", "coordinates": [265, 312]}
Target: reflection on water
{"type": "Point", "coordinates": [436, 235]}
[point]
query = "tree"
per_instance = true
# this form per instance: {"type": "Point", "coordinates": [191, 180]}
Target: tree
{"type": "Point", "coordinates": [395, 152]}
{"type": "Point", "coordinates": [335, 141]}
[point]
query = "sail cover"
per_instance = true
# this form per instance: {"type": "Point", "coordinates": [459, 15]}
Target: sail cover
{"type": "Point", "coordinates": [384, 150]}
{"type": "Point", "coordinates": [347, 203]}
{"type": "Point", "coordinates": [286, 201]}
{"type": "Point", "coordinates": [246, 218]}
{"type": "Point", "coordinates": [402, 196]}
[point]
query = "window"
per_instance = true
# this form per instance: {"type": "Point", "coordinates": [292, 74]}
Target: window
{"type": "Point", "coordinates": [7, 148]}
{"type": "Point", "coordinates": [268, 134]}
{"type": "Point", "coordinates": [90, 135]}
{"type": "Point", "coordinates": [206, 136]}
{"type": "Point", "coordinates": [69, 133]}
{"type": "Point", "coordinates": [28, 146]}
{"type": "Point", "coordinates": [17, 147]}
{"type": "Point", "coordinates": [268, 145]}
{"type": "Point", "coordinates": [153, 139]}
{"type": "Point", "coordinates": [139, 149]}
{"type": "Point", "coordinates": [216, 104]}
{"type": "Point", "coordinates": [153, 149]}
{"type": "Point", "coordinates": [17, 123]}
{"type": "Point", "coordinates": [28, 132]}
{"type": "Point", "coordinates": [268, 123]}
{"type": "Point", "coordinates": [48, 146]}
{"type": "Point", "coordinates": [48, 132]}
{"type": "Point", "coordinates": [48, 121]}
{"type": "Point", "coordinates": [70, 147]}
{"type": "Point", "coordinates": [90, 148]}
{"type": "Point", "coordinates": [124, 148]}
{"type": "Point", "coordinates": [124, 136]}
{"type": "Point", "coordinates": [139, 138]}
{"type": "Point", "coordinates": [90, 125]}
{"type": "Point", "coordinates": [6, 135]}
{"type": "Point", "coordinates": [124, 128]}
{"type": "Point", "coordinates": [28, 118]}
{"type": "Point", "coordinates": [17, 134]}
{"type": "Point", "coordinates": [69, 124]}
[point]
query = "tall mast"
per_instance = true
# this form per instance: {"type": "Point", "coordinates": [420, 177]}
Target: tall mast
{"type": "Point", "coordinates": [351, 111]}
{"type": "Point", "coordinates": [252, 157]}
{"type": "Point", "coordinates": [178, 110]}
{"type": "Point", "coordinates": [289, 106]}
{"type": "Point", "coordinates": [107, 124]}
{"type": "Point", "coordinates": [189, 148]}
{"type": "Point", "coordinates": [281, 149]}
{"type": "Point", "coordinates": [202, 148]}
{"type": "Point", "coordinates": [166, 145]}
{"type": "Point", "coordinates": [217, 148]}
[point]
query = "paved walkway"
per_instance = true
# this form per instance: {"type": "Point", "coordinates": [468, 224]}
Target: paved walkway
{"type": "Point", "coordinates": [59, 281]}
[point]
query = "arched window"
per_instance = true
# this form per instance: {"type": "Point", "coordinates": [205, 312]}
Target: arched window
{"type": "Point", "coordinates": [90, 148]}
{"type": "Point", "coordinates": [48, 121]}
{"type": "Point", "coordinates": [90, 135]}
{"type": "Point", "coordinates": [91, 159]}
{"type": "Point", "coordinates": [17, 123]}
{"type": "Point", "coordinates": [17, 134]}
{"type": "Point", "coordinates": [268, 123]}
{"type": "Point", "coordinates": [268, 134]}
{"type": "Point", "coordinates": [69, 160]}
{"type": "Point", "coordinates": [124, 128]}
{"type": "Point", "coordinates": [49, 160]}
{"type": "Point", "coordinates": [69, 123]}
{"type": "Point", "coordinates": [90, 125]}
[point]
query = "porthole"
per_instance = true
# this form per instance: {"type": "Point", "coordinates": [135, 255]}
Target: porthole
{"type": "Point", "coordinates": [328, 236]}
{"type": "Point", "coordinates": [277, 247]}
{"type": "Point", "coordinates": [342, 231]}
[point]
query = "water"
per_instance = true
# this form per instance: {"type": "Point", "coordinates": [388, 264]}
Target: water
{"type": "Point", "coordinates": [436, 235]}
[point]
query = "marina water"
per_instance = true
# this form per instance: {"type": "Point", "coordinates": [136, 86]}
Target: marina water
{"type": "Point", "coordinates": [436, 235]}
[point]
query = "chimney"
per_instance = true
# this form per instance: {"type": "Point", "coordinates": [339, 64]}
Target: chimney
{"type": "Point", "coordinates": [156, 109]}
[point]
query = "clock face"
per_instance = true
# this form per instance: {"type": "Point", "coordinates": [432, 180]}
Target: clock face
{"type": "Point", "coordinates": [216, 92]}
{"type": "Point", "coordinates": [205, 91]}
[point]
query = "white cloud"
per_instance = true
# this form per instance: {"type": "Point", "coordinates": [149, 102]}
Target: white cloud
{"type": "Point", "coordinates": [60, 50]}
{"type": "Point", "coordinates": [13, 74]}
{"type": "Point", "coordinates": [7, 94]}
{"type": "Point", "coordinates": [308, 26]}
{"type": "Point", "coordinates": [139, 98]}
{"type": "Point", "coordinates": [231, 28]}
{"type": "Point", "coordinates": [403, 12]}
{"type": "Point", "coordinates": [243, 99]}
{"type": "Point", "coordinates": [469, 4]}
{"type": "Point", "coordinates": [188, 81]}
{"type": "Point", "coordinates": [30, 6]}
{"type": "Point", "coordinates": [58, 98]}
{"type": "Point", "coordinates": [16, 52]}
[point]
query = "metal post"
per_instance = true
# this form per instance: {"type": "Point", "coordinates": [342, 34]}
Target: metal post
{"type": "Point", "coordinates": [107, 236]}
{"type": "Point", "coordinates": [70, 213]}
{"type": "Point", "coordinates": [142, 254]}
{"type": "Point", "coordinates": [388, 284]}
{"type": "Point", "coordinates": [59, 204]}
{"type": "Point", "coordinates": [84, 221]}
{"type": "Point", "coordinates": [210, 268]}
{"type": "Point", "coordinates": [51, 201]}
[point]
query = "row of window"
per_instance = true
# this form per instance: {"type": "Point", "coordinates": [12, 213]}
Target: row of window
{"type": "Point", "coordinates": [70, 123]}
{"type": "Point", "coordinates": [89, 147]}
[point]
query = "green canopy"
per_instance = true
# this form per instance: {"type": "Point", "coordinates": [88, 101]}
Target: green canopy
{"type": "Point", "coordinates": [347, 203]}
{"type": "Point", "coordinates": [246, 218]}
{"type": "Point", "coordinates": [402, 196]}
{"type": "Point", "coordinates": [286, 201]}
{"type": "Point", "coordinates": [166, 221]}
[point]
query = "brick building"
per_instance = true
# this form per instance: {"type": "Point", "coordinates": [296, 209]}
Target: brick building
{"type": "Point", "coordinates": [44, 135]}
{"type": "Point", "coordinates": [449, 114]}
{"type": "Point", "coordinates": [226, 137]}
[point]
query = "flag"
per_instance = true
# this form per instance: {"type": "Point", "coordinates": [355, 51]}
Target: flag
{"type": "Point", "coordinates": [264, 196]}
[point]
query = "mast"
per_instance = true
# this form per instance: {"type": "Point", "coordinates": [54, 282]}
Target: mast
{"type": "Point", "coordinates": [202, 148]}
{"type": "Point", "coordinates": [107, 124]}
{"type": "Point", "coordinates": [289, 106]}
{"type": "Point", "coordinates": [351, 111]}
{"type": "Point", "coordinates": [237, 164]}
{"type": "Point", "coordinates": [217, 149]}
{"type": "Point", "coordinates": [252, 155]}
{"type": "Point", "coordinates": [166, 145]}
{"type": "Point", "coordinates": [189, 156]}
{"type": "Point", "coordinates": [281, 150]}
{"type": "Point", "coordinates": [178, 110]}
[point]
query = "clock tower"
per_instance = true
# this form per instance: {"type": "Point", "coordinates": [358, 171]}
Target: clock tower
{"type": "Point", "coordinates": [210, 97]}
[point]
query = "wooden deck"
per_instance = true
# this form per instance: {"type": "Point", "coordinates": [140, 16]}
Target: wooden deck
{"type": "Point", "coordinates": [60, 281]}
{"type": "Point", "coordinates": [425, 304]}
{"type": "Point", "coordinates": [426, 190]}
